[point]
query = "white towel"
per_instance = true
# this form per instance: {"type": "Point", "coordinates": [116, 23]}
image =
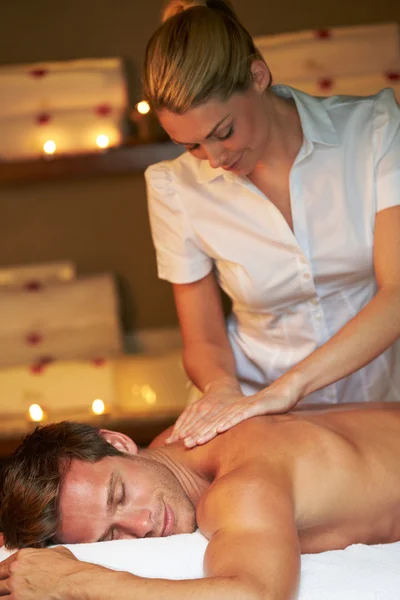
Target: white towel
{"type": "Point", "coordinates": [74, 320]}
{"type": "Point", "coordinates": [68, 102]}
{"type": "Point", "coordinates": [358, 60]}
{"type": "Point", "coordinates": [357, 573]}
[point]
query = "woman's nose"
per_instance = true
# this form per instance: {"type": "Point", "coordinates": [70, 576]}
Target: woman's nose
{"type": "Point", "coordinates": [215, 156]}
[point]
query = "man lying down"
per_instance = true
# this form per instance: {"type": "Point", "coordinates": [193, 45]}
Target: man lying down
{"type": "Point", "coordinates": [262, 493]}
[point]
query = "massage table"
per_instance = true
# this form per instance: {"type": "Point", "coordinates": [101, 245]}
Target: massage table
{"type": "Point", "coordinates": [357, 573]}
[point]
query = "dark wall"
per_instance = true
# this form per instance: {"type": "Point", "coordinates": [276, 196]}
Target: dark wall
{"type": "Point", "coordinates": [101, 223]}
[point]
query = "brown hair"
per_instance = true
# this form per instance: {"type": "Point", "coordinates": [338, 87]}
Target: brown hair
{"type": "Point", "coordinates": [32, 476]}
{"type": "Point", "coordinates": [201, 51]}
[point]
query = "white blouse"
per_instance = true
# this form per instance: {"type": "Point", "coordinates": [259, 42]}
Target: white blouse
{"type": "Point", "coordinates": [291, 291]}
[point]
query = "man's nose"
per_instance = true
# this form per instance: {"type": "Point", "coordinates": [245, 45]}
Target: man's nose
{"type": "Point", "coordinates": [139, 524]}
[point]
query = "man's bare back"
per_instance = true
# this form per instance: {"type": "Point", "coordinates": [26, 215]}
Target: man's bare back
{"type": "Point", "coordinates": [342, 463]}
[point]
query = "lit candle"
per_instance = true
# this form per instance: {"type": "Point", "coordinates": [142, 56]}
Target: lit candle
{"type": "Point", "coordinates": [143, 107]}
{"type": "Point", "coordinates": [36, 413]}
{"type": "Point", "coordinates": [49, 147]}
{"type": "Point", "coordinates": [98, 407]}
{"type": "Point", "coordinates": [102, 141]}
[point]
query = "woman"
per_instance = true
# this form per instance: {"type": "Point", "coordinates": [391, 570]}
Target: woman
{"type": "Point", "coordinates": [290, 203]}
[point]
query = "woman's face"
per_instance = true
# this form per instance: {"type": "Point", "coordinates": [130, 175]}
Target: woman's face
{"type": "Point", "coordinates": [232, 134]}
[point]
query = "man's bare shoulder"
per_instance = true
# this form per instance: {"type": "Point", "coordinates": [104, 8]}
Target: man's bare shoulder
{"type": "Point", "coordinates": [246, 496]}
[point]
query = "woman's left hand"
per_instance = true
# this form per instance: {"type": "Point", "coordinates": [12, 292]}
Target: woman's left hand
{"type": "Point", "coordinates": [199, 426]}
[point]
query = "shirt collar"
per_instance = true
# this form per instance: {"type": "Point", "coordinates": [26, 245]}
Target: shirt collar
{"type": "Point", "coordinates": [315, 121]}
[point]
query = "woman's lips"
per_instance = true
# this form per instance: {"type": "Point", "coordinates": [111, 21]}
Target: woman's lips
{"type": "Point", "coordinates": [234, 165]}
{"type": "Point", "coordinates": [169, 521]}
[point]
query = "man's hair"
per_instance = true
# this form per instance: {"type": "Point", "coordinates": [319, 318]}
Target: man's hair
{"type": "Point", "coordinates": [31, 479]}
{"type": "Point", "coordinates": [200, 52]}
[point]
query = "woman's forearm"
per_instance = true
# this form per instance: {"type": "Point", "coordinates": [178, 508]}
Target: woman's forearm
{"type": "Point", "coordinates": [210, 366]}
{"type": "Point", "coordinates": [363, 338]}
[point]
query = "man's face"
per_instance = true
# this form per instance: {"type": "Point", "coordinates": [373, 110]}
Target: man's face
{"type": "Point", "coordinates": [122, 497]}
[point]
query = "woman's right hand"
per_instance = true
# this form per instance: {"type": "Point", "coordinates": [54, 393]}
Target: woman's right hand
{"type": "Point", "coordinates": [200, 415]}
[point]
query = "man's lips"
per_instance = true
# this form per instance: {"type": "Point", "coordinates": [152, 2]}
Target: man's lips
{"type": "Point", "coordinates": [169, 521]}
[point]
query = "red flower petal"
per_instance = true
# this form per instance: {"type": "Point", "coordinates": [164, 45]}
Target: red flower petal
{"type": "Point", "coordinates": [38, 367]}
{"type": "Point", "coordinates": [43, 118]}
{"type": "Point", "coordinates": [99, 362]}
{"type": "Point", "coordinates": [103, 110]}
{"type": "Point", "coordinates": [33, 339]}
{"type": "Point", "coordinates": [325, 83]}
{"type": "Point", "coordinates": [393, 75]}
{"type": "Point", "coordinates": [33, 286]}
{"type": "Point", "coordinates": [323, 34]}
{"type": "Point", "coordinates": [38, 73]}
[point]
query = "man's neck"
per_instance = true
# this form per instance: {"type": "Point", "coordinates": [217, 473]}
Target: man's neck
{"type": "Point", "coordinates": [193, 482]}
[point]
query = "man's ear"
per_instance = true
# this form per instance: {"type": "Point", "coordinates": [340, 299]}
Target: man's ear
{"type": "Point", "coordinates": [120, 441]}
{"type": "Point", "coordinates": [261, 75]}
{"type": "Point", "coordinates": [1, 540]}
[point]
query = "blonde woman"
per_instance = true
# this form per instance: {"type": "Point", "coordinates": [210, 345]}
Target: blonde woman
{"type": "Point", "coordinates": [290, 204]}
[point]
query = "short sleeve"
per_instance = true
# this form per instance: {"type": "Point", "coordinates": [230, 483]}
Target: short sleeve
{"type": "Point", "coordinates": [387, 150]}
{"type": "Point", "coordinates": [179, 257]}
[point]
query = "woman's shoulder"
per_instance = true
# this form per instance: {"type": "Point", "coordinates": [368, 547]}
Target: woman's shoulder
{"type": "Point", "coordinates": [183, 169]}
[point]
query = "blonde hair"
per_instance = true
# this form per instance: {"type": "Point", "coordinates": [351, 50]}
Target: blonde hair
{"type": "Point", "coordinates": [201, 51]}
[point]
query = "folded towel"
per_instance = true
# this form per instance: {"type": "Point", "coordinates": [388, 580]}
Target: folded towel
{"type": "Point", "coordinates": [357, 573]}
{"type": "Point", "coordinates": [74, 320]}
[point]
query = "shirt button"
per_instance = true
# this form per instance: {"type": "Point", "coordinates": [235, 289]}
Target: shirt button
{"type": "Point", "coordinates": [306, 275]}
{"type": "Point", "coordinates": [303, 260]}
{"type": "Point", "coordinates": [315, 301]}
{"type": "Point", "coordinates": [318, 316]}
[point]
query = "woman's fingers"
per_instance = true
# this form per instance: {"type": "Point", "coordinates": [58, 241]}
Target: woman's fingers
{"type": "Point", "coordinates": [193, 413]}
{"type": "Point", "coordinates": [223, 420]}
{"type": "Point", "coordinates": [181, 421]}
{"type": "Point", "coordinates": [204, 430]}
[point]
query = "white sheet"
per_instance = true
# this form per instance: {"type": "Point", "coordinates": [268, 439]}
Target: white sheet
{"type": "Point", "coordinates": [357, 573]}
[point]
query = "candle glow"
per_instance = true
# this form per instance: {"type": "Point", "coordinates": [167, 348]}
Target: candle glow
{"type": "Point", "coordinates": [36, 413]}
{"type": "Point", "coordinates": [143, 107]}
{"type": "Point", "coordinates": [49, 147]}
{"type": "Point", "coordinates": [98, 407]}
{"type": "Point", "coordinates": [102, 141]}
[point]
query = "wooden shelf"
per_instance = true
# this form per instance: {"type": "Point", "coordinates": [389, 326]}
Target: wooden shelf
{"type": "Point", "coordinates": [125, 159]}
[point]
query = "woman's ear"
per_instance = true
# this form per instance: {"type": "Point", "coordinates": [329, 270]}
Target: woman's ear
{"type": "Point", "coordinates": [120, 441]}
{"type": "Point", "coordinates": [261, 75]}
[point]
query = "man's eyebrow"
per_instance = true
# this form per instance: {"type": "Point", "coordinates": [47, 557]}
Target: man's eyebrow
{"type": "Point", "coordinates": [213, 130]}
{"type": "Point", "coordinates": [112, 483]}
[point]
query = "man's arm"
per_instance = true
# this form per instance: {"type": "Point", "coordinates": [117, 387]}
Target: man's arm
{"type": "Point", "coordinates": [31, 574]}
{"type": "Point", "coordinates": [253, 533]}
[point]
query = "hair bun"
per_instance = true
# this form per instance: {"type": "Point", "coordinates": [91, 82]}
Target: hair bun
{"type": "Point", "coordinates": [174, 7]}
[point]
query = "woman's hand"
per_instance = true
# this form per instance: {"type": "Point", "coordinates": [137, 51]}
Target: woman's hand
{"type": "Point", "coordinates": [223, 406]}
{"type": "Point", "coordinates": [196, 424]}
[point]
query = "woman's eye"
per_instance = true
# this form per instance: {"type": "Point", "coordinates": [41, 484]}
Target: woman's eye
{"type": "Point", "coordinates": [227, 135]}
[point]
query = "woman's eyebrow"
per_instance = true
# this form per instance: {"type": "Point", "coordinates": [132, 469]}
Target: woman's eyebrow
{"type": "Point", "coordinates": [213, 130]}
